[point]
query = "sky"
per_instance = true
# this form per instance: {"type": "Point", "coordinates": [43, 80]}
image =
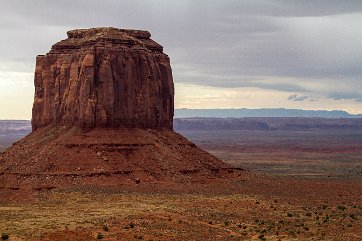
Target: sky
{"type": "Point", "coordinates": [304, 54]}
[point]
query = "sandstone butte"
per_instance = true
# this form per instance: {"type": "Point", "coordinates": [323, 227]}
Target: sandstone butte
{"type": "Point", "coordinates": [102, 116]}
{"type": "Point", "coordinates": [104, 77]}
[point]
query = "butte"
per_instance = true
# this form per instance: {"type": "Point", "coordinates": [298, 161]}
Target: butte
{"type": "Point", "coordinates": [102, 116]}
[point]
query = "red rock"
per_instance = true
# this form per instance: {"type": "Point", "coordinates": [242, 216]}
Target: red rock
{"type": "Point", "coordinates": [104, 77]}
{"type": "Point", "coordinates": [103, 116]}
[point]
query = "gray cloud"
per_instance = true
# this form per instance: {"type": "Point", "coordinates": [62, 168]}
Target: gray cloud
{"type": "Point", "coordinates": [346, 95]}
{"type": "Point", "coordinates": [293, 46]}
{"type": "Point", "coordinates": [297, 98]}
{"type": "Point", "coordinates": [301, 98]}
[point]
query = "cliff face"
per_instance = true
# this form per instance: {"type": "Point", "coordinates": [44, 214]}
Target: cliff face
{"type": "Point", "coordinates": [104, 77]}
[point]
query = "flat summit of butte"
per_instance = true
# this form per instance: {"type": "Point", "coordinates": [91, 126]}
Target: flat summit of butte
{"type": "Point", "coordinates": [103, 115]}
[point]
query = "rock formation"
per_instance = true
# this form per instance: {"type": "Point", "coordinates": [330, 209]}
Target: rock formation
{"type": "Point", "coordinates": [104, 77]}
{"type": "Point", "coordinates": [102, 115]}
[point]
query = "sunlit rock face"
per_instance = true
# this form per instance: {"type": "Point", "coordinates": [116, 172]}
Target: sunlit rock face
{"type": "Point", "coordinates": [104, 77]}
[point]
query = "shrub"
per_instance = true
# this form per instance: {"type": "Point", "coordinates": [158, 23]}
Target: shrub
{"type": "Point", "coordinates": [342, 208]}
{"type": "Point", "coordinates": [261, 237]}
{"type": "Point", "coordinates": [5, 236]}
{"type": "Point", "coordinates": [100, 236]}
{"type": "Point", "coordinates": [105, 227]}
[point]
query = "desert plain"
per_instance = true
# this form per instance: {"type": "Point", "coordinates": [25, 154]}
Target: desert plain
{"type": "Point", "coordinates": [296, 184]}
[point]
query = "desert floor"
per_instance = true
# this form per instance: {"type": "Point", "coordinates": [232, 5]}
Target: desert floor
{"type": "Point", "coordinates": [296, 186]}
{"type": "Point", "coordinates": [252, 207]}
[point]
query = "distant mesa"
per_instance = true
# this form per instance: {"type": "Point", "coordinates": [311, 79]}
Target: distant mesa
{"type": "Point", "coordinates": [265, 112]}
{"type": "Point", "coordinates": [104, 77]}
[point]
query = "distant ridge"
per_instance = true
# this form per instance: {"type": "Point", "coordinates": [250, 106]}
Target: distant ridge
{"type": "Point", "coordinates": [265, 112]}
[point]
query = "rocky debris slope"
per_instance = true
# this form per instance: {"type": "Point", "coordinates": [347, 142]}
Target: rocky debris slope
{"type": "Point", "coordinates": [104, 77]}
{"type": "Point", "coordinates": [61, 156]}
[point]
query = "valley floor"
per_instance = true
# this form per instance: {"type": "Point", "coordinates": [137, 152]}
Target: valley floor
{"type": "Point", "coordinates": [252, 207]}
{"type": "Point", "coordinates": [301, 185]}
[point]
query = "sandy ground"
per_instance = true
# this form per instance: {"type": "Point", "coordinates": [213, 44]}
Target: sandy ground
{"type": "Point", "coordinates": [254, 207]}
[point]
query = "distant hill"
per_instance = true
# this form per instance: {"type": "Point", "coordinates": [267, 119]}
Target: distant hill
{"type": "Point", "coordinates": [268, 123]}
{"type": "Point", "coordinates": [12, 130]}
{"type": "Point", "coordinates": [281, 112]}
{"type": "Point", "coordinates": [14, 127]}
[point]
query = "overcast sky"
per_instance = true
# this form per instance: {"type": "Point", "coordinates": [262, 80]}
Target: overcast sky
{"type": "Point", "coordinates": [224, 53]}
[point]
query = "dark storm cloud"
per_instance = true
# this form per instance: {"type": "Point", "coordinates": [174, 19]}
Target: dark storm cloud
{"type": "Point", "coordinates": [293, 46]}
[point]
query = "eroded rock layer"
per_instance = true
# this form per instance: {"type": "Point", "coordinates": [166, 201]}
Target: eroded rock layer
{"type": "Point", "coordinates": [104, 77]}
{"type": "Point", "coordinates": [68, 156]}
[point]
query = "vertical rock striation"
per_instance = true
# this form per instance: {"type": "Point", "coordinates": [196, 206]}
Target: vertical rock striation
{"type": "Point", "coordinates": [104, 77]}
